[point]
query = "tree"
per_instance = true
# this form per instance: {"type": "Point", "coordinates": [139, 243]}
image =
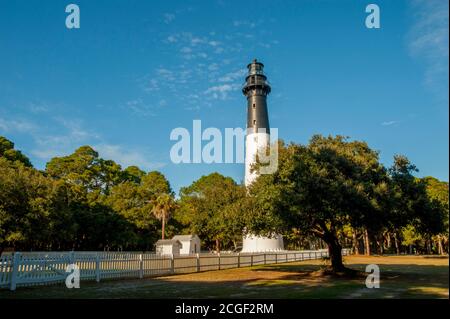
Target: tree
{"type": "Point", "coordinates": [154, 184]}
{"type": "Point", "coordinates": [86, 170]}
{"type": "Point", "coordinates": [319, 189]}
{"type": "Point", "coordinates": [134, 174]}
{"type": "Point", "coordinates": [8, 152]}
{"type": "Point", "coordinates": [24, 206]}
{"type": "Point", "coordinates": [410, 237]}
{"type": "Point", "coordinates": [212, 207]}
{"type": "Point", "coordinates": [438, 192]}
{"type": "Point", "coordinates": [412, 206]}
{"type": "Point", "coordinates": [163, 207]}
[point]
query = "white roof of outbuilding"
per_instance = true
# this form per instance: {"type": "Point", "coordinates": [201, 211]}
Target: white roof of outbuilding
{"type": "Point", "coordinates": [168, 242]}
{"type": "Point", "coordinates": [184, 237]}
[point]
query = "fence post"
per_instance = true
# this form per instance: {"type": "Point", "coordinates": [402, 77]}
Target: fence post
{"type": "Point", "coordinates": [287, 257]}
{"type": "Point", "coordinates": [239, 260]}
{"type": "Point", "coordinates": [141, 266]}
{"type": "Point", "coordinates": [97, 267]}
{"type": "Point", "coordinates": [172, 263]}
{"type": "Point", "coordinates": [315, 255]}
{"type": "Point", "coordinates": [276, 258]}
{"type": "Point", "coordinates": [218, 254]}
{"type": "Point", "coordinates": [251, 260]}
{"type": "Point", "coordinates": [72, 257]}
{"type": "Point", "coordinates": [15, 271]}
{"type": "Point", "coordinates": [198, 262]}
{"type": "Point", "coordinates": [264, 258]}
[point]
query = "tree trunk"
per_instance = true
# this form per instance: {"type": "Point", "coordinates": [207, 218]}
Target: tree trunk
{"type": "Point", "coordinates": [163, 228]}
{"type": "Point", "coordinates": [355, 242]}
{"type": "Point", "coordinates": [380, 243]}
{"type": "Point", "coordinates": [397, 248]}
{"type": "Point", "coordinates": [366, 243]}
{"type": "Point", "coordinates": [388, 240]}
{"type": "Point", "coordinates": [217, 245]}
{"type": "Point", "coordinates": [439, 242]}
{"type": "Point", "coordinates": [334, 252]}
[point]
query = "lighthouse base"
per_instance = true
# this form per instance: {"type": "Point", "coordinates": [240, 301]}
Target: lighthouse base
{"type": "Point", "coordinates": [252, 243]}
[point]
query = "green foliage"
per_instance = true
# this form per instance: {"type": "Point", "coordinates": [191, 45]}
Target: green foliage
{"type": "Point", "coordinates": [410, 235]}
{"type": "Point", "coordinates": [84, 169]}
{"type": "Point", "coordinates": [24, 204]}
{"type": "Point", "coordinates": [134, 174]}
{"type": "Point", "coordinates": [212, 208]}
{"type": "Point", "coordinates": [332, 183]}
{"type": "Point", "coordinates": [163, 207]}
{"type": "Point", "coordinates": [8, 152]}
{"type": "Point", "coordinates": [81, 201]}
{"type": "Point", "coordinates": [330, 189]}
{"type": "Point", "coordinates": [438, 192]}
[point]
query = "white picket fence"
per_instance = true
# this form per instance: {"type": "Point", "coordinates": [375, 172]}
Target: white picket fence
{"type": "Point", "coordinates": [37, 268]}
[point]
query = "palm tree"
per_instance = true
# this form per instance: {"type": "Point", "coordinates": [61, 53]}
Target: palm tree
{"type": "Point", "coordinates": [163, 206]}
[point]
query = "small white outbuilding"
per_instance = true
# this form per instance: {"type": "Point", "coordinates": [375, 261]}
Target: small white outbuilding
{"type": "Point", "coordinates": [168, 247]}
{"type": "Point", "coordinates": [190, 244]}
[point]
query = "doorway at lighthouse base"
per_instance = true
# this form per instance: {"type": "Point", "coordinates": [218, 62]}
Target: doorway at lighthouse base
{"type": "Point", "coordinates": [252, 243]}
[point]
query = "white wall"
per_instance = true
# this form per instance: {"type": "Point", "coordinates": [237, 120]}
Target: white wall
{"type": "Point", "coordinates": [168, 249]}
{"type": "Point", "coordinates": [253, 243]}
{"type": "Point", "coordinates": [189, 246]}
{"type": "Point", "coordinates": [253, 142]}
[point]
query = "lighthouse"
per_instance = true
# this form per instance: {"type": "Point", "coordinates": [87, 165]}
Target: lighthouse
{"type": "Point", "coordinates": [256, 89]}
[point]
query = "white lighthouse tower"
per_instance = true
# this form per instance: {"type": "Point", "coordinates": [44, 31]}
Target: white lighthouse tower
{"type": "Point", "coordinates": [256, 89]}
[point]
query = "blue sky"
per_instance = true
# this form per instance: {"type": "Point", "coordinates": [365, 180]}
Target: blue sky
{"type": "Point", "coordinates": [135, 70]}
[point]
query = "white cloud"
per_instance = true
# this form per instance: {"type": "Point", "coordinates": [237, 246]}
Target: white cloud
{"type": "Point", "coordinates": [186, 50]}
{"type": "Point", "coordinates": [221, 91]}
{"type": "Point", "coordinates": [213, 67]}
{"type": "Point", "coordinates": [214, 43]}
{"type": "Point", "coordinates": [202, 65]}
{"type": "Point", "coordinates": [72, 135]}
{"type": "Point", "coordinates": [75, 128]}
{"type": "Point", "coordinates": [233, 76]}
{"type": "Point", "coordinates": [38, 107]}
{"type": "Point", "coordinates": [46, 153]}
{"type": "Point", "coordinates": [152, 85]}
{"type": "Point", "coordinates": [172, 39]}
{"type": "Point", "coordinates": [197, 40]}
{"type": "Point", "coordinates": [21, 126]}
{"type": "Point", "coordinates": [168, 17]}
{"type": "Point", "coordinates": [245, 23]}
{"type": "Point", "coordinates": [428, 41]}
{"type": "Point", "coordinates": [138, 107]}
{"type": "Point", "coordinates": [389, 123]}
{"type": "Point", "coordinates": [126, 157]}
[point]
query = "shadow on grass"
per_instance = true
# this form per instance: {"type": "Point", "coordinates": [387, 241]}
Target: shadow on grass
{"type": "Point", "coordinates": [281, 281]}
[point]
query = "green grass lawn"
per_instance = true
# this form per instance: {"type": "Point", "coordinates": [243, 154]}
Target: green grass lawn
{"type": "Point", "coordinates": [401, 277]}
